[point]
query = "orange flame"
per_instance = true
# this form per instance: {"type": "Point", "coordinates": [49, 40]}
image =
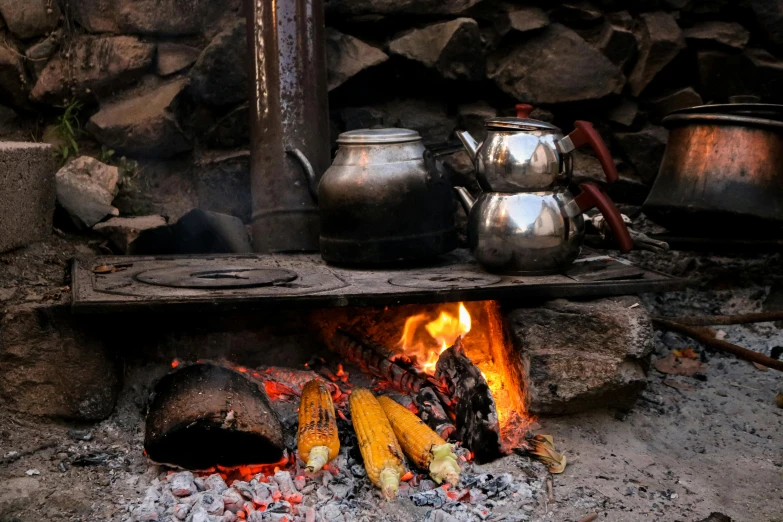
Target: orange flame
{"type": "Point", "coordinates": [441, 333]}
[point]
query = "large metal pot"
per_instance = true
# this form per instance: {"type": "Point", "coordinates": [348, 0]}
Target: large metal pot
{"type": "Point", "coordinates": [381, 203]}
{"type": "Point", "coordinates": [722, 172]}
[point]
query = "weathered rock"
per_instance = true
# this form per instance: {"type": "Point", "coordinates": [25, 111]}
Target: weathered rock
{"type": "Point", "coordinates": [725, 74]}
{"type": "Point", "coordinates": [173, 57]}
{"type": "Point", "coordinates": [673, 101]}
{"type": "Point", "coordinates": [85, 189]}
{"type": "Point", "coordinates": [54, 364]}
{"type": "Point", "coordinates": [520, 19]}
{"type": "Point", "coordinates": [629, 188]}
{"type": "Point", "coordinates": [626, 114]}
{"type": "Point", "coordinates": [143, 126]}
{"type": "Point", "coordinates": [428, 118]}
{"type": "Point", "coordinates": [223, 183]}
{"type": "Point", "coordinates": [347, 56]}
{"type": "Point", "coordinates": [166, 17]}
{"type": "Point", "coordinates": [222, 127]}
{"type": "Point", "coordinates": [472, 117]}
{"type": "Point", "coordinates": [618, 43]}
{"type": "Point", "coordinates": [123, 231]}
{"type": "Point", "coordinates": [9, 121]}
{"type": "Point", "coordinates": [556, 66]}
{"type": "Point", "coordinates": [38, 54]}
{"type": "Point", "coordinates": [395, 7]}
{"type": "Point", "coordinates": [716, 33]}
{"type": "Point", "coordinates": [583, 355]}
{"type": "Point", "coordinates": [769, 14]}
{"type": "Point", "coordinates": [95, 16]}
{"type": "Point", "coordinates": [95, 64]}
{"type": "Point", "coordinates": [27, 193]}
{"type": "Point", "coordinates": [159, 187]}
{"type": "Point", "coordinates": [577, 13]}
{"type": "Point", "coordinates": [660, 41]}
{"type": "Point", "coordinates": [353, 118]}
{"type": "Point", "coordinates": [219, 76]}
{"type": "Point", "coordinates": [30, 18]}
{"type": "Point", "coordinates": [768, 71]}
{"type": "Point", "coordinates": [644, 150]}
{"type": "Point", "coordinates": [452, 48]}
{"type": "Point", "coordinates": [13, 77]}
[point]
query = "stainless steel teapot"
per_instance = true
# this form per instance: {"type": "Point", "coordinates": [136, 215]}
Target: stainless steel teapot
{"type": "Point", "coordinates": [535, 233]}
{"type": "Point", "coordinates": [522, 154]}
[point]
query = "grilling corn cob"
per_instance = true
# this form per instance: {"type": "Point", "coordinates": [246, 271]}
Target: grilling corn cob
{"type": "Point", "coordinates": [422, 445]}
{"type": "Point", "coordinates": [380, 449]}
{"type": "Point", "coordinates": [318, 440]}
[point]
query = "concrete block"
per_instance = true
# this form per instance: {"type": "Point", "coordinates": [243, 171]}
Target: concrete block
{"type": "Point", "coordinates": [27, 193]}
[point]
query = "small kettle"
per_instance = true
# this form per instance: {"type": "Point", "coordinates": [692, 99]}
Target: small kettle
{"type": "Point", "coordinates": [535, 233]}
{"type": "Point", "coordinates": [522, 154]}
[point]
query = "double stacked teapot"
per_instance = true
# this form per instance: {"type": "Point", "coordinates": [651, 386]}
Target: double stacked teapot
{"type": "Point", "coordinates": [526, 221]}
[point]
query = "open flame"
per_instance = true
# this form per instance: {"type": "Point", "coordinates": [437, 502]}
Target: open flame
{"type": "Point", "coordinates": [441, 333]}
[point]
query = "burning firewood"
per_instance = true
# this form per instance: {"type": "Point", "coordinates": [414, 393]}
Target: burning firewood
{"type": "Point", "coordinates": [431, 411]}
{"type": "Point", "coordinates": [476, 415]}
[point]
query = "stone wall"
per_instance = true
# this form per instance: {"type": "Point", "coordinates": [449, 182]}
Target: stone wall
{"type": "Point", "coordinates": [164, 81]}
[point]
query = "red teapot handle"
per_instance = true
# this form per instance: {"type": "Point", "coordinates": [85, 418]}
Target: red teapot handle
{"type": "Point", "coordinates": [585, 133]}
{"type": "Point", "coordinates": [591, 197]}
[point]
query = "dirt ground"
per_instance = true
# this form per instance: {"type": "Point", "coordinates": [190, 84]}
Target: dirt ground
{"type": "Point", "coordinates": [690, 446]}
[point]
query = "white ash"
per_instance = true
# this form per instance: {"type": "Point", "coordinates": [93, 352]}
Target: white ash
{"type": "Point", "coordinates": [502, 491]}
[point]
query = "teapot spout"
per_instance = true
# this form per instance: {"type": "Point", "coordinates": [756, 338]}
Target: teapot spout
{"type": "Point", "coordinates": [470, 144]}
{"type": "Point", "coordinates": [465, 198]}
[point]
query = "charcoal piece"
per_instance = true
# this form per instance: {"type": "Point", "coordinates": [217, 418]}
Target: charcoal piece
{"type": "Point", "coordinates": [203, 415]}
{"type": "Point", "coordinates": [92, 459]}
{"type": "Point", "coordinates": [433, 414]}
{"type": "Point", "coordinates": [476, 415]}
{"type": "Point", "coordinates": [433, 498]}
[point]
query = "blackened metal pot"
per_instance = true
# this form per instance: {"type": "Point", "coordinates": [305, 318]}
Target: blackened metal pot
{"type": "Point", "coordinates": [381, 202]}
{"type": "Point", "coordinates": [722, 172]}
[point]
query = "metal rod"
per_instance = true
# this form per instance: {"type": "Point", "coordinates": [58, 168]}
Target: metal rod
{"type": "Point", "coordinates": [706, 337]}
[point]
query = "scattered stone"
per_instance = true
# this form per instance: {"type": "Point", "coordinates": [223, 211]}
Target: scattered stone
{"type": "Point", "coordinates": [173, 57]}
{"type": "Point", "coordinates": [219, 76]}
{"type": "Point", "coordinates": [729, 35]}
{"type": "Point", "coordinates": [569, 377]}
{"type": "Point", "coordinates": [769, 14]}
{"type": "Point", "coordinates": [27, 193]}
{"type": "Point", "coordinates": [644, 150]}
{"type": "Point", "coordinates": [38, 54]}
{"type": "Point", "coordinates": [472, 117]}
{"type": "Point", "coordinates": [626, 114]}
{"type": "Point", "coordinates": [618, 43]}
{"type": "Point", "coordinates": [143, 126]}
{"type": "Point", "coordinates": [660, 41]}
{"type": "Point", "coordinates": [75, 434]}
{"type": "Point", "coordinates": [347, 56]}
{"type": "Point", "coordinates": [30, 18]}
{"type": "Point", "coordinates": [122, 231]}
{"type": "Point", "coordinates": [680, 99]}
{"type": "Point", "coordinates": [768, 72]}
{"type": "Point", "coordinates": [104, 63]}
{"type": "Point", "coordinates": [578, 13]}
{"type": "Point", "coordinates": [520, 19]}
{"type": "Point", "coordinates": [32, 472]}
{"type": "Point", "coordinates": [13, 77]}
{"type": "Point", "coordinates": [429, 119]}
{"type": "Point", "coordinates": [182, 484]}
{"type": "Point", "coordinates": [725, 74]}
{"type": "Point", "coordinates": [452, 48]}
{"type": "Point", "coordinates": [163, 17]}
{"type": "Point", "coordinates": [395, 7]}
{"type": "Point", "coordinates": [535, 71]}
{"type": "Point", "coordinates": [85, 189]}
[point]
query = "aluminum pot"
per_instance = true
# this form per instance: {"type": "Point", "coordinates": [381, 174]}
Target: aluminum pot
{"type": "Point", "coordinates": [722, 172]}
{"type": "Point", "coordinates": [526, 155]}
{"type": "Point", "coordinates": [535, 233]}
{"type": "Point", "coordinates": [381, 202]}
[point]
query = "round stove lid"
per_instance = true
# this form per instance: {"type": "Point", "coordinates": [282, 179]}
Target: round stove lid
{"type": "Point", "coordinates": [218, 278]}
{"type": "Point", "coordinates": [377, 136]}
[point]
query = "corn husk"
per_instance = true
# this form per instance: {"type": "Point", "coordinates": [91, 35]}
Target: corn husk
{"type": "Point", "coordinates": [543, 448]}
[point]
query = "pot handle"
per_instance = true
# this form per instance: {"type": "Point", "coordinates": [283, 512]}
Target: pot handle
{"type": "Point", "coordinates": [591, 197]}
{"type": "Point", "coordinates": [312, 180]}
{"type": "Point", "coordinates": [585, 133]}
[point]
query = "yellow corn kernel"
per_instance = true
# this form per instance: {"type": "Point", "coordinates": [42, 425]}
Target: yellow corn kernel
{"type": "Point", "coordinates": [318, 441]}
{"type": "Point", "coordinates": [422, 445]}
{"type": "Point", "coordinates": [380, 450]}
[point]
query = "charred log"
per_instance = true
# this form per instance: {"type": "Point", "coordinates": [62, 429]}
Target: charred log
{"type": "Point", "coordinates": [476, 415]}
{"type": "Point", "coordinates": [205, 415]}
{"type": "Point", "coordinates": [431, 411]}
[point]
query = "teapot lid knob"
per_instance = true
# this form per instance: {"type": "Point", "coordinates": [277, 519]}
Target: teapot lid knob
{"type": "Point", "coordinates": [523, 110]}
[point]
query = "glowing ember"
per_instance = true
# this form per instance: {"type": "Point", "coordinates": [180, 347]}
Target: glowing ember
{"type": "Point", "coordinates": [248, 471]}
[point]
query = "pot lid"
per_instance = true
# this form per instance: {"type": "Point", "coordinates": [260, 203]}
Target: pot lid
{"type": "Point", "coordinates": [753, 114]}
{"type": "Point", "coordinates": [523, 121]}
{"type": "Point", "coordinates": [377, 136]}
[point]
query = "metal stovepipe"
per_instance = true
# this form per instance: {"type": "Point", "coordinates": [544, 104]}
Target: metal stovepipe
{"type": "Point", "coordinates": [289, 127]}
